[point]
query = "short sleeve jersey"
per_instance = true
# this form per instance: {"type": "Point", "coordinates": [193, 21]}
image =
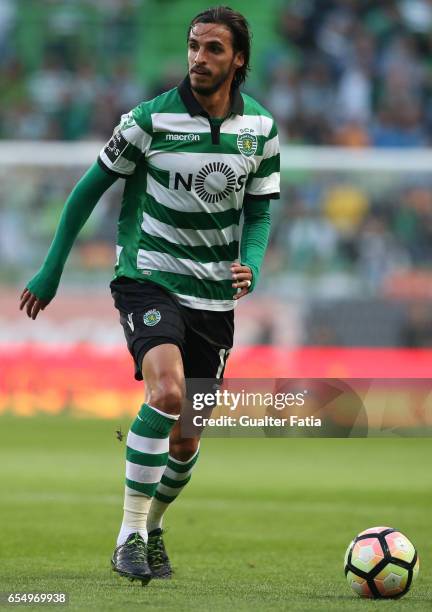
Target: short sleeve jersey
{"type": "Point", "coordinates": [186, 179]}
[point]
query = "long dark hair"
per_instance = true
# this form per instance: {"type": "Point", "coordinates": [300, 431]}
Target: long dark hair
{"type": "Point", "coordinates": [239, 28]}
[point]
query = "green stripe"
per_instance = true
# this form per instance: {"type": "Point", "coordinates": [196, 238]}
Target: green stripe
{"type": "Point", "coordinates": [131, 153]}
{"type": "Point", "coordinates": [168, 102]}
{"type": "Point", "coordinates": [142, 116]}
{"type": "Point", "coordinates": [142, 429]}
{"type": "Point", "coordinates": [202, 254]}
{"type": "Point", "coordinates": [158, 422]}
{"type": "Point", "coordinates": [189, 285]}
{"type": "Point", "coordinates": [227, 145]}
{"type": "Point", "coordinates": [147, 489]}
{"type": "Point", "coordinates": [273, 131]}
{"type": "Point", "coordinates": [190, 220]}
{"type": "Point", "coordinates": [159, 175]}
{"type": "Point", "coordinates": [148, 459]}
{"type": "Point", "coordinates": [182, 467]}
{"type": "Point", "coordinates": [252, 107]}
{"type": "Point", "coordinates": [268, 166]}
{"type": "Point", "coordinates": [175, 484]}
{"type": "Point", "coordinates": [129, 227]}
{"type": "Point", "coordinates": [164, 498]}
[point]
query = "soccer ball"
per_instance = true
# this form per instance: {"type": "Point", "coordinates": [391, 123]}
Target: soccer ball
{"type": "Point", "coordinates": [381, 563]}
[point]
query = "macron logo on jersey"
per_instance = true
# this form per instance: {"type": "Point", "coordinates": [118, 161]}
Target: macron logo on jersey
{"type": "Point", "coordinates": [183, 137]}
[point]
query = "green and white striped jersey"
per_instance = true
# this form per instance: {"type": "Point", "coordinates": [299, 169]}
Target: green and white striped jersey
{"type": "Point", "coordinates": [186, 178]}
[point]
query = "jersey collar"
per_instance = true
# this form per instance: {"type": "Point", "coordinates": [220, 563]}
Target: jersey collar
{"type": "Point", "coordinates": [194, 107]}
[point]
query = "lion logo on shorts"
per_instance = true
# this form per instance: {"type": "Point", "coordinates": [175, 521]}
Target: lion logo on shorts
{"type": "Point", "coordinates": [152, 317]}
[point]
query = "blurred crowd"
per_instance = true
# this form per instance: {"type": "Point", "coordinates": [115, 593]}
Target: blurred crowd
{"type": "Point", "coordinates": [334, 225]}
{"type": "Point", "coordinates": [345, 72]}
{"type": "Point", "coordinates": [352, 72]}
{"type": "Point", "coordinates": [77, 80]}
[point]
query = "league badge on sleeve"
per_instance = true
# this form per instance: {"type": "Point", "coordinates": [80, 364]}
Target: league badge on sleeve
{"type": "Point", "coordinates": [115, 147]}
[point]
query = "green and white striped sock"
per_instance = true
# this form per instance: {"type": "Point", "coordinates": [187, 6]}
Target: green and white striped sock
{"type": "Point", "coordinates": [175, 477]}
{"type": "Point", "coordinates": [146, 460]}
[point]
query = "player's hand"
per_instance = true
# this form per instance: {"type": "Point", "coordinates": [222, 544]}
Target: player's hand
{"type": "Point", "coordinates": [32, 303]}
{"type": "Point", "coordinates": [242, 279]}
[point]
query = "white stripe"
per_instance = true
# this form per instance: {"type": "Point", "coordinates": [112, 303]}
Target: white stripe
{"type": "Point", "coordinates": [200, 303]}
{"type": "Point", "coordinates": [271, 147]}
{"type": "Point", "coordinates": [189, 237]}
{"type": "Point", "coordinates": [119, 249]}
{"type": "Point", "coordinates": [179, 122]}
{"type": "Point", "coordinates": [187, 201]}
{"type": "Point", "coordinates": [121, 165]}
{"type": "Point", "coordinates": [135, 136]}
{"type": "Point", "coordinates": [172, 492]}
{"type": "Point", "coordinates": [186, 163]}
{"type": "Point", "coordinates": [223, 356]}
{"type": "Point", "coordinates": [152, 446]}
{"type": "Point", "coordinates": [265, 186]}
{"type": "Point", "coordinates": [183, 122]}
{"type": "Point", "coordinates": [177, 475]}
{"type": "Point", "coordinates": [138, 137]}
{"type": "Point", "coordinates": [162, 262]}
{"type": "Point", "coordinates": [145, 474]}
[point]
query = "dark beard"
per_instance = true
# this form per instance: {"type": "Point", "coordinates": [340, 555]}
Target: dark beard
{"type": "Point", "coordinates": [208, 91]}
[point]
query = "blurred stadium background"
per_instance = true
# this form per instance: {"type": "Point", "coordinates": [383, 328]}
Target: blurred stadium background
{"type": "Point", "coordinates": [347, 284]}
{"type": "Point", "coordinates": [345, 292]}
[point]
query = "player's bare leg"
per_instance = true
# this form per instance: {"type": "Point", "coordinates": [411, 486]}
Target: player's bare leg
{"type": "Point", "coordinates": [162, 370]}
{"type": "Point", "coordinates": [182, 449]}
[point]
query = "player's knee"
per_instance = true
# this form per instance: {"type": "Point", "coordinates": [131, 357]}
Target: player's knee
{"type": "Point", "coordinates": [167, 395]}
{"type": "Point", "coordinates": [184, 448]}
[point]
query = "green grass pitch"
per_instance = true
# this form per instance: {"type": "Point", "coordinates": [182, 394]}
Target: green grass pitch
{"type": "Point", "coordinates": [263, 525]}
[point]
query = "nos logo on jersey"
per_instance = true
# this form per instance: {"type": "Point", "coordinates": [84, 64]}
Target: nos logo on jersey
{"type": "Point", "coordinates": [214, 182]}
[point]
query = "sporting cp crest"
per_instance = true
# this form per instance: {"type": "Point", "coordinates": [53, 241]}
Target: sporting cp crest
{"type": "Point", "coordinates": [152, 317]}
{"type": "Point", "coordinates": [247, 142]}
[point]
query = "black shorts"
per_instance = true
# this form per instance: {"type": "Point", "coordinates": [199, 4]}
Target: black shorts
{"type": "Point", "coordinates": [151, 315]}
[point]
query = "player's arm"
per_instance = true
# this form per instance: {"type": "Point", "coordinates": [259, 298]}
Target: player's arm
{"type": "Point", "coordinates": [43, 286]}
{"type": "Point", "coordinates": [253, 244]}
{"type": "Point", "coordinates": [261, 187]}
{"type": "Point", "coordinates": [118, 158]}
